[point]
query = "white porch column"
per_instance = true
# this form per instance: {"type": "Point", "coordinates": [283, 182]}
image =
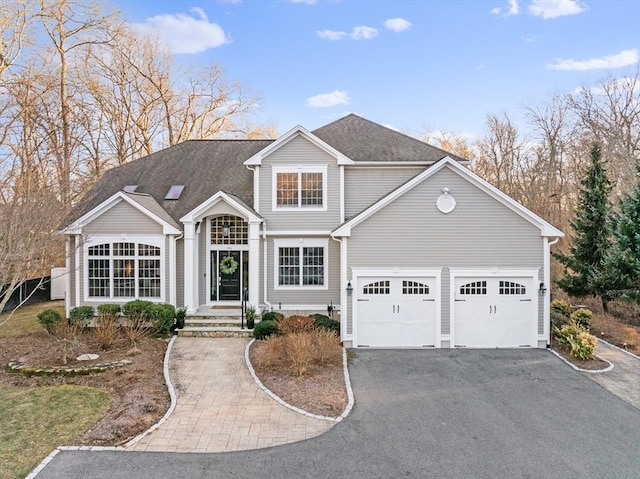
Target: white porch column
{"type": "Point", "coordinates": [191, 300]}
{"type": "Point", "coordinates": [254, 263]}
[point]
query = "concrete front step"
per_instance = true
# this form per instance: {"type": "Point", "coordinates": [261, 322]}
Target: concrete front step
{"type": "Point", "coordinates": [215, 332]}
{"type": "Point", "coordinates": [214, 323]}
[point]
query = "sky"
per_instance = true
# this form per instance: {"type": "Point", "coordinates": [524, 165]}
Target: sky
{"type": "Point", "coordinates": [413, 65]}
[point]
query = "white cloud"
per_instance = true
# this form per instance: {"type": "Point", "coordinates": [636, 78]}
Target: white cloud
{"type": "Point", "coordinates": [555, 8]}
{"type": "Point", "coordinates": [513, 9]}
{"type": "Point", "coordinates": [185, 33]}
{"type": "Point", "coordinates": [325, 100]}
{"type": "Point", "coordinates": [615, 85]}
{"type": "Point", "coordinates": [397, 24]}
{"type": "Point", "coordinates": [364, 33]}
{"type": "Point", "coordinates": [622, 59]}
{"type": "Point", "coordinates": [358, 33]}
{"type": "Point", "coordinates": [331, 34]}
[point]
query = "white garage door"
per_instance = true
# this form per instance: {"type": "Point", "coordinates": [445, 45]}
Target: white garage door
{"type": "Point", "coordinates": [396, 312]}
{"type": "Point", "coordinates": [494, 312]}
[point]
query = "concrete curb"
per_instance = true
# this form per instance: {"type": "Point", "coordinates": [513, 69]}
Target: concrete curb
{"type": "Point", "coordinates": [350, 400]}
{"type": "Point", "coordinates": [172, 395]}
{"type": "Point", "coordinates": [608, 368]}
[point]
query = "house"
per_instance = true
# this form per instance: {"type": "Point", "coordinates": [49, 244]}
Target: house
{"type": "Point", "coordinates": [405, 241]}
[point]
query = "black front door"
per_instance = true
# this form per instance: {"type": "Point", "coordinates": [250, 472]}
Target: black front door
{"type": "Point", "coordinates": [229, 268]}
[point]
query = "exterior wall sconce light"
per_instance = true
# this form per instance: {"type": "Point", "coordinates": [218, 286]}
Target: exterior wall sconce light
{"type": "Point", "coordinates": [226, 230]}
{"type": "Point", "coordinates": [349, 289]}
{"type": "Point", "coordinates": [542, 290]}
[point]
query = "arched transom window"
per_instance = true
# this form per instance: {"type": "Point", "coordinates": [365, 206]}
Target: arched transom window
{"type": "Point", "coordinates": [229, 229]}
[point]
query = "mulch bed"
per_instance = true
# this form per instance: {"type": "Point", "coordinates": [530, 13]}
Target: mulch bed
{"type": "Point", "coordinates": [596, 364]}
{"type": "Point", "coordinates": [139, 396]}
{"type": "Point", "coordinates": [321, 392]}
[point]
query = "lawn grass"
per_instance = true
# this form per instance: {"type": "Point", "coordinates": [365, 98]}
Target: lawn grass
{"type": "Point", "coordinates": [25, 319]}
{"type": "Point", "coordinates": [35, 420]}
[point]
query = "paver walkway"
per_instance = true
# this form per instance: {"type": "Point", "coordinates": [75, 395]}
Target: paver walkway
{"type": "Point", "coordinates": [624, 379]}
{"type": "Point", "coordinates": [220, 407]}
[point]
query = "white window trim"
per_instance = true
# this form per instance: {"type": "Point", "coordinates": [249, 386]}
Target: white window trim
{"type": "Point", "coordinates": [300, 243]}
{"type": "Point", "coordinates": [298, 169]}
{"type": "Point", "coordinates": [154, 240]}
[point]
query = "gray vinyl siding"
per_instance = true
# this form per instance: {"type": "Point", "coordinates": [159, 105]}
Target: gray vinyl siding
{"type": "Point", "coordinates": [366, 185]}
{"type": "Point", "coordinates": [300, 151]}
{"type": "Point", "coordinates": [81, 268]}
{"type": "Point", "coordinates": [180, 273]}
{"type": "Point", "coordinates": [123, 218]}
{"type": "Point", "coordinates": [291, 297]}
{"type": "Point", "coordinates": [411, 233]}
{"type": "Point", "coordinates": [167, 269]}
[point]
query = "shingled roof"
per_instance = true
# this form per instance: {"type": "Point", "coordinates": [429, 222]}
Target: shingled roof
{"type": "Point", "coordinates": [208, 166]}
{"type": "Point", "coordinates": [363, 140]}
{"type": "Point", "coordinates": [203, 166]}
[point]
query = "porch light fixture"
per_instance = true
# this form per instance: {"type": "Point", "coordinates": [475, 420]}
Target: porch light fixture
{"type": "Point", "coordinates": [542, 290]}
{"type": "Point", "coordinates": [349, 289]}
{"type": "Point", "coordinates": [226, 230]}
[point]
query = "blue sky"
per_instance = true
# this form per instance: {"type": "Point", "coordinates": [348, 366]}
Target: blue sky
{"type": "Point", "coordinates": [414, 65]}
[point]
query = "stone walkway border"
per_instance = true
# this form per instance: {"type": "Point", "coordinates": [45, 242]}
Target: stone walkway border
{"type": "Point", "coordinates": [591, 371]}
{"type": "Point", "coordinates": [268, 392]}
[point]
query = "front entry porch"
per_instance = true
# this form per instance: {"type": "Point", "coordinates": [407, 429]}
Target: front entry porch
{"type": "Point", "coordinates": [221, 254]}
{"type": "Point", "coordinates": [216, 322]}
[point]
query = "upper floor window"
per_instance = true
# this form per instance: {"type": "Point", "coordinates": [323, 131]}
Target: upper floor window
{"type": "Point", "coordinates": [300, 187]}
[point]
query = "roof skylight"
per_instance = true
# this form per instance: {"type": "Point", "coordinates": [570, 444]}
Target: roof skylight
{"type": "Point", "coordinates": [174, 192]}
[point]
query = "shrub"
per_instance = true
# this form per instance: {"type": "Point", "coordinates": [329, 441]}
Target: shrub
{"type": "Point", "coordinates": [106, 331]}
{"type": "Point", "coordinates": [299, 347]}
{"type": "Point", "coordinates": [66, 334]}
{"type": "Point", "coordinates": [161, 317]}
{"type": "Point", "coordinates": [137, 309]}
{"type": "Point", "coordinates": [81, 315]}
{"type": "Point", "coordinates": [326, 347]}
{"type": "Point", "coordinates": [296, 324]}
{"type": "Point", "coordinates": [109, 311]}
{"type": "Point", "coordinates": [582, 317]}
{"type": "Point", "coordinates": [273, 354]}
{"type": "Point", "coordinates": [272, 316]}
{"type": "Point", "coordinates": [558, 320]}
{"type": "Point", "coordinates": [579, 342]}
{"type": "Point", "coordinates": [325, 322]}
{"type": "Point", "coordinates": [265, 328]}
{"type": "Point", "coordinates": [561, 307]}
{"type": "Point", "coordinates": [49, 318]}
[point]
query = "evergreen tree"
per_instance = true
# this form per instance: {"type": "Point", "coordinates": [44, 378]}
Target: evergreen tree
{"type": "Point", "coordinates": [622, 265]}
{"type": "Point", "coordinates": [584, 265]}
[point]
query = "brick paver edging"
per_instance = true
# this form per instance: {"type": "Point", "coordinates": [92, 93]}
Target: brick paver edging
{"type": "Point", "coordinates": [172, 395]}
{"type": "Point", "coordinates": [347, 381]}
{"type": "Point", "coordinates": [596, 371]}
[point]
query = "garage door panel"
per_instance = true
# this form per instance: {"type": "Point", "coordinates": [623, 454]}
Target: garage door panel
{"type": "Point", "coordinates": [396, 312]}
{"type": "Point", "coordinates": [493, 312]}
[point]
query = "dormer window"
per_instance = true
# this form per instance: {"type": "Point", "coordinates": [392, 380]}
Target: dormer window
{"type": "Point", "coordinates": [300, 187]}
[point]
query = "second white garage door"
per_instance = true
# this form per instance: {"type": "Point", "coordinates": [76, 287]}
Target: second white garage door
{"type": "Point", "coordinates": [396, 312]}
{"type": "Point", "coordinates": [492, 312]}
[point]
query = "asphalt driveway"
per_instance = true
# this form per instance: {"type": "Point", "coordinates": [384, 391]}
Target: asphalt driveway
{"type": "Point", "coordinates": [424, 414]}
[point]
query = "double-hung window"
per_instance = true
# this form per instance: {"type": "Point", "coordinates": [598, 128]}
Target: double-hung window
{"type": "Point", "coordinates": [301, 264]}
{"type": "Point", "coordinates": [124, 269]}
{"type": "Point", "coordinates": [300, 187]}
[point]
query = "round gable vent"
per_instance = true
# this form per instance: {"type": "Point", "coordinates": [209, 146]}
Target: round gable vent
{"type": "Point", "coordinates": [446, 203]}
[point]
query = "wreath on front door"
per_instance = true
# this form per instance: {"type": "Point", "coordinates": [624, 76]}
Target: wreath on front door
{"type": "Point", "coordinates": [228, 265]}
